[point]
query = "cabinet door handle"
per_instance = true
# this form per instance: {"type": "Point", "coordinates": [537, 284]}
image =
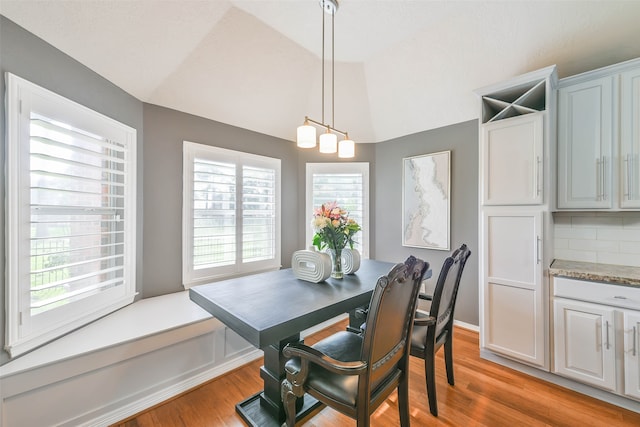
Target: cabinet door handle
{"type": "Point", "coordinates": [627, 165]}
{"type": "Point", "coordinates": [538, 257]}
{"type": "Point", "coordinates": [635, 334]}
{"type": "Point", "coordinates": [602, 176]}
{"type": "Point", "coordinates": [599, 179]}
{"type": "Point", "coordinates": [538, 165]}
{"type": "Point", "coordinates": [607, 333]}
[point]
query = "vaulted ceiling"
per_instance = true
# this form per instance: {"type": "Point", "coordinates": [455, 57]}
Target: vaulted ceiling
{"type": "Point", "coordinates": [402, 66]}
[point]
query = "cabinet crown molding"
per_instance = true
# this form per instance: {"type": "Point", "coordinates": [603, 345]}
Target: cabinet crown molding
{"type": "Point", "coordinates": [599, 72]}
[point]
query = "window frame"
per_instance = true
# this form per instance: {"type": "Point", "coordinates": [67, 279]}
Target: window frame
{"type": "Point", "coordinates": [25, 331]}
{"type": "Point", "coordinates": [192, 277]}
{"type": "Point", "coordinates": [339, 168]}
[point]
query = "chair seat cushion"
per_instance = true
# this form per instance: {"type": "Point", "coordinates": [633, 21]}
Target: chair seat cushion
{"type": "Point", "coordinates": [344, 346]}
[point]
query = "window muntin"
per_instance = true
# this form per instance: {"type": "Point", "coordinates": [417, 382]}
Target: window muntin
{"type": "Point", "coordinates": [71, 215]}
{"type": "Point", "coordinates": [231, 207]}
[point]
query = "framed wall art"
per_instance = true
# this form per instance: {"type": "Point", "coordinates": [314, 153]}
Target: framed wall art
{"type": "Point", "coordinates": [426, 189]}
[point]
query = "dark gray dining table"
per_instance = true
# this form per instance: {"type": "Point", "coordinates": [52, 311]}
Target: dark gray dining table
{"type": "Point", "coordinates": [270, 310]}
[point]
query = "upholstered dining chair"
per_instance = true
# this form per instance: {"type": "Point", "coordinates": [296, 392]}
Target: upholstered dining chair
{"type": "Point", "coordinates": [354, 373]}
{"type": "Point", "coordinates": [434, 329]}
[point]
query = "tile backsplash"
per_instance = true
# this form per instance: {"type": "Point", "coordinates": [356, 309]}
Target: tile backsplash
{"type": "Point", "coordinates": [603, 237]}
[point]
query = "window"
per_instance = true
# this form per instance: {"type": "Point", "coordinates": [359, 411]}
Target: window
{"type": "Point", "coordinates": [231, 213]}
{"type": "Point", "coordinates": [347, 184]}
{"type": "Point", "coordinates": [70, 215]}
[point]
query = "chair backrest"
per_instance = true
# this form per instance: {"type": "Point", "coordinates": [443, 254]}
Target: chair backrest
{"type": "Point", "coordinates": [386, 339]}
{"type": "Point", "coordinates": [446, 291]}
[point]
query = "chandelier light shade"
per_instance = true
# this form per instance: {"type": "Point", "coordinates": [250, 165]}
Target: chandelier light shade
{"type": "Point", "coordinates": [328, 142]}
{"type": "Point", "coordinates": [346, 148]}
{"type": "Point", "coordinates": [306, 134]}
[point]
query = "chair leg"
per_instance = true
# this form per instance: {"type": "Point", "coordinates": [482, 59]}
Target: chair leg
{"type": "Point", "coordinates": [289, 402]}
{"type": "Point", "coordinates": [403, 402]}
{"type": "Point", "coordinates": [362, 414]}
{"type": "Point", "coordinates": [448, 358]}
{"type": "Point", "coordinates": [430, 373]}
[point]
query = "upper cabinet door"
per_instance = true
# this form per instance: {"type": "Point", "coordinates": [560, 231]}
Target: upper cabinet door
{"type": "Point", "coordinates": [512, 160]}
{"type": "Point", "coordinates": [630, 139]}
{"type": "Point", "coordinates": [585, 136]}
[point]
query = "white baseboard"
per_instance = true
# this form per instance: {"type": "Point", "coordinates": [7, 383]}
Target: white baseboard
{"type": "Point", "coordinates": [468, 326]}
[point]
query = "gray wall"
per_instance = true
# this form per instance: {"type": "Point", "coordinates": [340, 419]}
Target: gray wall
{"type": "Point", "coordinates": [462, 140]}
{"type": "Point", "coordinates": [31, 58]}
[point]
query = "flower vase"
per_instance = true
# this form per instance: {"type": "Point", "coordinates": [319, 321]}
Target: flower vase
{"type": "Point", "coordinates": [336, 263]}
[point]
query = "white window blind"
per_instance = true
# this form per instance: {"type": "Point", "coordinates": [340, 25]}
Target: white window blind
{"type": "Point", "coordinates": [231, 207]}
{"type": "Point", "coordinates": [214, 214]}
{"type": "Point", "coordinates": [348, 185]}
{"type": "Point", "coordinates": [71, 215]}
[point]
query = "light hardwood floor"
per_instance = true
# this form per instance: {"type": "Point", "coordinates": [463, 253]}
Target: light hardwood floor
{"type": "Point", "coordinates": [485, 394]}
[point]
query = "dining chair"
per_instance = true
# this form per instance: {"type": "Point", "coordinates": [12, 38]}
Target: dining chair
{"type": "Point", "coordinates": [434, 329]}
{"type": "Point", "coordinates": [354, 373]}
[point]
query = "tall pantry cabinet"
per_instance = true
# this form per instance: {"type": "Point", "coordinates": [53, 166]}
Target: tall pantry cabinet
{"type": "Point", "coordinates": [517, 160]}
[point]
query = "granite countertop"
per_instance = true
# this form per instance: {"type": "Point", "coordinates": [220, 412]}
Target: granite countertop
{"type": "Point", "coordinates": [617, 274]}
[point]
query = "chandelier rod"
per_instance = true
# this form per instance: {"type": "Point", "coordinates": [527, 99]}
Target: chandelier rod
{"type": "Point", "coordinates": [323, 64]}
{"type": "Point", "coordinates": [333, 66]}
{"type": "Point", "coordinates": [307, 118]}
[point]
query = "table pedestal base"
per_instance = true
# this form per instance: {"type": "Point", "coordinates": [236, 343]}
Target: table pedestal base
{"type": "Point", "coordinates": [255, 415]}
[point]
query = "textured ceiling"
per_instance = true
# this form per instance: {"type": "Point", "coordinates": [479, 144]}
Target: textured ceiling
{"type": "Point", "coordinates": [402, 66]}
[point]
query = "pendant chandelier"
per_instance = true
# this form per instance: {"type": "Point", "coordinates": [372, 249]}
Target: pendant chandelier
{"type": "Point", "coordinates": [306, 134]}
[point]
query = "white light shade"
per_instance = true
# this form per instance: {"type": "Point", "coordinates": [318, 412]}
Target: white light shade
{"type": "Point", "coordinates": [328, 143]}
{"type": "Point", "coordinates": [306, 136]}
{"type": "Point", "coordinates": [346, 149]}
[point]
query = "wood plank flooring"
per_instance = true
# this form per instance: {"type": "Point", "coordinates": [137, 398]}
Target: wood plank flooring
{"type": "Point", "coordinates": [485, 394]}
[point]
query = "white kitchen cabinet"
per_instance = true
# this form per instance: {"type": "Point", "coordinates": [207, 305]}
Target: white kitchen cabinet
{"type": "Point", "coordinates": [511, 160]}
{"type": "Point", "coordinates": [632, 354]}
{"type": "Point", "coordinates": [513, 303]}
{"type": "Point", "coordinates": [584, 342]}
{"type": "Point", "coordinates": [585, 136]}
{"type": "Point", "coordinates": [630, 139]}
{"type": "Point", "coordinates": [599, 139]}
{"type": "Point", "coordinates": [596, 334]}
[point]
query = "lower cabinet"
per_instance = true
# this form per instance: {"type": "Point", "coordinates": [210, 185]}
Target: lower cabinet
{"type": "Point", "coordinates": [632, 354]}
{"type": "Point", "coordinates": [585, 344]}
{"type": "Point", "coordinates": [596, 334]}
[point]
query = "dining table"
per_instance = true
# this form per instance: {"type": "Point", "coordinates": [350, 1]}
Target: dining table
{"type": "Point", "coordinates": [271, 309]}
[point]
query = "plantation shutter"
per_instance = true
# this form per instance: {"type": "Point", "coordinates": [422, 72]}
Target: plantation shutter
{"type": "Point", "coordinates": [346, 184]}
{"type": "Point", "coordinates": [70, 213]}
{"type": "Point", "coordinates": [231, 206]}
{"type": "Point", "coordinates": [344, 188]}
{"type": "Point", "coordinates": [214, 214]}
{"type": "Point", "coordinates": [77, 203]}
{"type": "Point", "coordinates": [258, 213]}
